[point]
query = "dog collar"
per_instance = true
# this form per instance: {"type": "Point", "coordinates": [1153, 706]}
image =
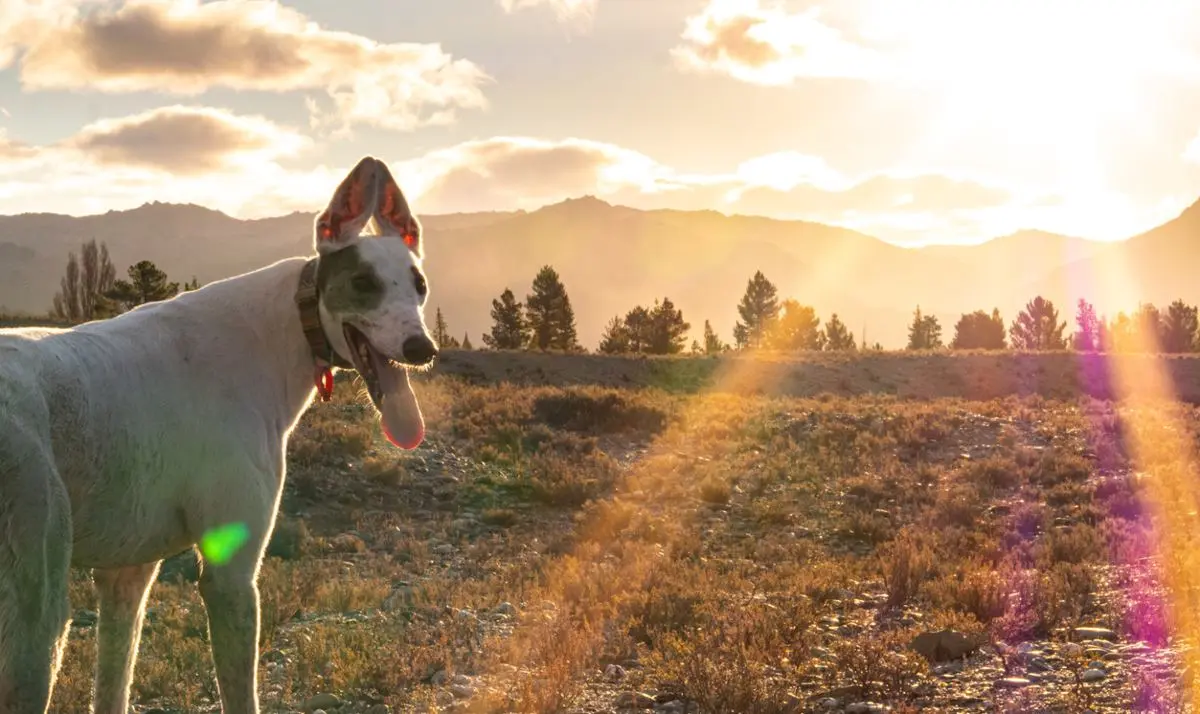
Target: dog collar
{"type": "Point", "coordinates": [324, 356]}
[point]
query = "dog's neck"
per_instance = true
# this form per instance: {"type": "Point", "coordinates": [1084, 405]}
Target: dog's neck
{"type": "Point", "coordinates": [308, 300]}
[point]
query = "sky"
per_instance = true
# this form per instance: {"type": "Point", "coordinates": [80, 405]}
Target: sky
{"type": "Point", "coordinates": [917, 121]}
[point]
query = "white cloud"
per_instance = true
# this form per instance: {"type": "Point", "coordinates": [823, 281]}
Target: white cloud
{"type": "Point", "coordinates": [185, 47]}
{"type": "Point", "coordinates": [565, 9]}
{"type": "Point", "coordinates": [186, 140]}
{"type": "Point", "coordinates": [759, 43]}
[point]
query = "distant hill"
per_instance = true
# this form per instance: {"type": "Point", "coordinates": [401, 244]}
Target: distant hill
{"type": "Point", "coordinates": [613, 257]}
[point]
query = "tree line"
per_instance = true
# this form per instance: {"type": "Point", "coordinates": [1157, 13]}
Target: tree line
{"type": "Point", "coordinates": [545, 321]}
{"type": "Point", "coordinates": [90, 289]}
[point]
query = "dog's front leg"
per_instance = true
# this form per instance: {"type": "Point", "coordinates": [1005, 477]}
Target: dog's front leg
{"type": "Point", "coordinates": [231, 598]}
{"type": "Point", "coordinates": [122, 594]}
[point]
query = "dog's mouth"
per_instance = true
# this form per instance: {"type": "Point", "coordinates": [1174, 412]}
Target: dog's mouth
{"type": "Point", "coordinates": [389, 390]}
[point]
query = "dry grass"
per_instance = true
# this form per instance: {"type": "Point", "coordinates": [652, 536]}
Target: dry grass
{"type": "Point", "coordinates": [751, 554]}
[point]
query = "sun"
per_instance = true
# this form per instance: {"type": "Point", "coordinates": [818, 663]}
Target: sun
{"type": "Point", "coordinates": [1043, 82]}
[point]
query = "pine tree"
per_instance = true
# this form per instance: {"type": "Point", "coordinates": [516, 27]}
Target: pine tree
{"type": "Point", "coordinates": [979, 331]}
{"type": "Point", "coordinates": [615, 339]}
{"type": "Point", "coordinates": [509, 328]}
{"type": "Point", "coordinates": [668, 330]}
{"type": "Point", "coordinates": [639, 328]}
{"type": "Point", "coordinates": [147, 283]}
{"type": "Point", "coordinates": [797, 328]}
{"type": "Point", "coordinates": [759, 309]}
{"type": "Point", "coordinates": [924, 332]}
{"type": "Point", "coordinates": [1087, 336]}
{"type": "Point", "coordinates": [1037, 327]}
{"type": "Point", "coordinates": [441, 332]}
{"type": "Point", "coordinates": [712, 344]}
{"type": "Point", "coordinates": [466, 342]}
{"type": "Point", "coordinates": [837, 337]}
{"type": "Point", "coordinates": [1180, 328]}
{"type": "Point", "coordinates": [548, 310]}
{"type": "Point", "coordinates": [1148, 326]}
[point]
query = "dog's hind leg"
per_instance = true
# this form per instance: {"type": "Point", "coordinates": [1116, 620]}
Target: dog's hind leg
{"type": "Point", "coordinates": [122, 594]}
{"type": "Point", "coordinates": [35, 560]}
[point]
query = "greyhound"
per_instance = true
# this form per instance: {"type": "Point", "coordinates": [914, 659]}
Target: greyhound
{"type": "Point", "coordinates": [123, 441]}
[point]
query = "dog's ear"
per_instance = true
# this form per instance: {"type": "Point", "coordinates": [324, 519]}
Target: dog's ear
{"type": "Point", "coordinates": [350, 208]}
{"type": "Point", "coordinates": [394, 216]}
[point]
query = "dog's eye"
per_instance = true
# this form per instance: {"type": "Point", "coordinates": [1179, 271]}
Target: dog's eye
{"type": "Point", "coordinates": [364, 283]}
{"type": "Point", "coordinates": [419, 282]}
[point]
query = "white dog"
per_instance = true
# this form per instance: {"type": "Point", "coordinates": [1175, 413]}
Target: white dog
{"type": "Point", "coordinates": [123, 441]}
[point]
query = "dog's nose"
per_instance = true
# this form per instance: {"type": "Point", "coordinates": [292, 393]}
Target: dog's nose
{"type": "Point", "coordinates": [419, 350]}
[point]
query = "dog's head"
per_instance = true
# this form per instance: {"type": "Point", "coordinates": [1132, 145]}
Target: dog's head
{"type": "Point", "coordinates": [372, 291]}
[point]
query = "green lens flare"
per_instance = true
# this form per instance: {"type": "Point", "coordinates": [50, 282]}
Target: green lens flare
{"type": "Point", "coordinates": [219, 544]}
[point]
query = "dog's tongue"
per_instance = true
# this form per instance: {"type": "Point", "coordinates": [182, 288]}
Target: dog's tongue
{"type": "Point", "coordinates": [403, 424]}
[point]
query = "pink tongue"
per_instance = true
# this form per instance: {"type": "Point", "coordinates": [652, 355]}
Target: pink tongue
{"type": "Point", "coordinates": [401, 417]}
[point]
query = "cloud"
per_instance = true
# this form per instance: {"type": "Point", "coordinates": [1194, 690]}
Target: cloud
{"type": "Point", "coordinates": [758, 43]}
{"type": "Point", "coordinates": [522, 172]}
{"type": "Point", "coordinates": [236, 164]}
{"type": "Point", "coordinates": [877, 193]}
{"type": "Point", "coordinates": [186, 47]}
{"type": "Point", "coordinates": [565, 9]}
{"type": "Point", "coordinates": [186, 140]}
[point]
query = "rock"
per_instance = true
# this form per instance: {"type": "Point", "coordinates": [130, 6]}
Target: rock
{"type": "Point", "coordinates": [829, 703]}
{"type": "Point", "coordinates": [614, 673]}
{"type": "Point", "coordinates": [506, 608]}
{"type": "Point", "coordinates": [1093, 675]}
{"type": "Point", "coordinates": [1095, 633]}
{"type": "Point", "coordinates": [321, 701]}
{"type": "Point", "coordinates": [461, 679]}
{"type": "Point", "coordinates": [942, 646]}
{"type": "Point", "coordinates": [865, 708]}
{"type": "Point", "coordinates": [347, 543]}
{"type": "Point", "coordinates": [379, 709]}
{"type": "Point", "coordinates": [1072, 649]}
{"type": "Point", "coordinates": [444, 549]}
{"type": "Point", "coordinates": [634, 700]}
{"type": "Point", "coordinates": [83, 618]}
{"type": "Point", "coordinates": [439, 678]}
{"type": "Point", "coordinates": [1013, 683]}
{"type": "Point", "coordinates": [462, 691]}
{"type": "Point", "coordinates": [318, 711]}
{"type": "Point", "coordinates": [674, 706]}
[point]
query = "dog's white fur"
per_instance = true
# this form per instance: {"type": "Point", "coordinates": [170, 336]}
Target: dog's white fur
{"type": "Point", "coordinates": [123, 441]}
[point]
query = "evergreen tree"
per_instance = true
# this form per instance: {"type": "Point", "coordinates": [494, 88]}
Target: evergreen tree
{"type": "Point", "coordinates": [1147, 323]}
{"type": "Point", "coordinates": [549, 313]}
{"type": "Point", "coordinates": [759, 309]}
{"type": "Point", "coordinates": [668, 330]}
{"type": "Point", "coordinates": [797, 328]}
{"type": "Point", "coordinates": [466, 342]}
{"type": "Point", "coordinates": [925, 332]}
{"type": "Point", "coordinates": [146, 284]}
{"type": "Point", "coordinates": [1180, 328]}
{"type": "Point", "coordinates": [712, 344]}
{"type": "Point", "coordinates": [979, 331]}
{"type": "Point", "coordinates": [837, 337]}
{"type": "Point", "coordinates": [441, 332]}
{"type": "Point", "coordinates": [1087, 336]}
{"type": "Point", "coordinates": [696, 348]}
{"type": "Point", "coordinates": [639, 329]}
{"type": "Point", "coordinates": [615, 339]}
{"type": "Point", "coordinates": [1037, 327]}
{"type": "Point", "coordinates": [509, 328]}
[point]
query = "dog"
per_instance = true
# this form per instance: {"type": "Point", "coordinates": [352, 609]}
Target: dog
{"type": "Point", "coordinates": [124, 441]}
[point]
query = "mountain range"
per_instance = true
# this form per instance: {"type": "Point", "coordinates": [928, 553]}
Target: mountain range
{"type": "Point", "coordinates": [612, 258]}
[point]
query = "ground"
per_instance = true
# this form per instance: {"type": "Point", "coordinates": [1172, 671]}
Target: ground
{"type": "Point", "coordinates": [585, 534]}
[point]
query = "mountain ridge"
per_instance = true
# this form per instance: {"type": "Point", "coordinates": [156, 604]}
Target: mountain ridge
{"type": "Point", "coordinates": [613, 257]}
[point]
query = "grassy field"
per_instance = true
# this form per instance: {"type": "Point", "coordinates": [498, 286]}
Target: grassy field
{"type": "Point", "coordinates": [582, 534]}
